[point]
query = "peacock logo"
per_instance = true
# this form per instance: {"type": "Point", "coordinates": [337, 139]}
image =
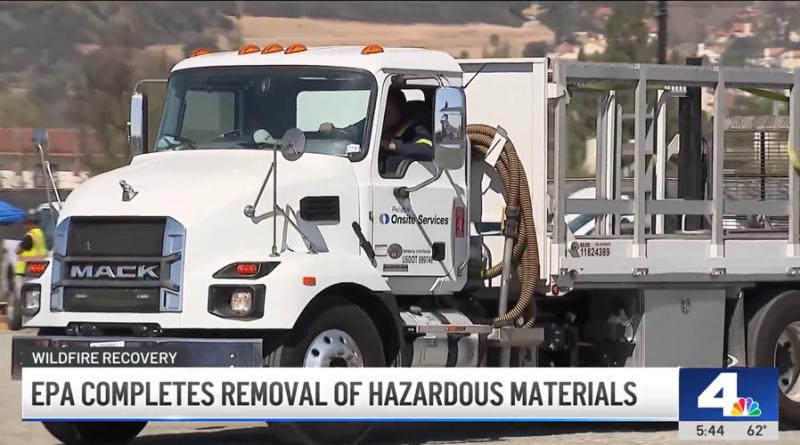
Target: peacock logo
{"type": "Point", "coordinates": [746, 407]}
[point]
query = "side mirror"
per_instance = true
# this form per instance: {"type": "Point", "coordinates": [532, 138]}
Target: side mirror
{"type": "Point", "coordinates": [293, 144]}
{"type": "Point", "coordinates": [137, 125]}
{"type": "Point", "coordinates": [450, 129]}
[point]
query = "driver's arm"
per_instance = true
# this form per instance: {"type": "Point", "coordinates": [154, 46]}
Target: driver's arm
{"type": "Point", "coordinates": [352, 131]}
{"type": "Point", "coordinates": [419, 149]}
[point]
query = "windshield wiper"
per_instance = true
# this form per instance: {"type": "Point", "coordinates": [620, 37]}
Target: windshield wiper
{"type": "Point", "coordinates": [247, 144]}
{"type": "Point", "coordinates": [180, 140]}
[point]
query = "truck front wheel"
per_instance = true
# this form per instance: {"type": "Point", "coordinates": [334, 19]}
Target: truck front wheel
{"type": "Point", "coordinates": [13, 311]}
{"type": "Point", "coordinates": [334, 333]}
{"type": "Point", "coordinates": [94, 433]}
{"type": "Point", "coordinates": [773, 340]}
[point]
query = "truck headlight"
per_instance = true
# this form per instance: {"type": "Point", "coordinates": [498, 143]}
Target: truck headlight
{"type": "Point", "coordinates": [236, 301]}
{"type": "Point", "coordinates": [31, 295]}
{"type": "Point", "coordinates": [242, 301]}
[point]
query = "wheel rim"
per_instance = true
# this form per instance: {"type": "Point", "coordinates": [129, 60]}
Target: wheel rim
{"type": "Point", "coordinates": [787, 360]}
{"type": "Point", "coordinates": [333, 348]}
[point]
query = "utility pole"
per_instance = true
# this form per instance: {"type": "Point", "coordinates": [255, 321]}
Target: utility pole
{"type": "Point", "coordinates": [661, 16]}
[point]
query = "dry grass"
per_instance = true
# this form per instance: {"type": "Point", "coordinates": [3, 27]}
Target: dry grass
{"type": "Point", "coordinates": [454, 39]}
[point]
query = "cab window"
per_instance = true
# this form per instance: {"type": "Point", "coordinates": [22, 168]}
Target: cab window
{"type": "Point", "coordinates": [417, 111]}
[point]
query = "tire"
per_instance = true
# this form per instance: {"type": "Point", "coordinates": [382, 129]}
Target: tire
{"type": "Point", "coordinates": [332, 315]}
{"type": "Point", "coordinates": [764, 329]}
{"type": "Point", "coordinates": [94, 433]}
{"type": "Point", "coordinates": [14, 311]}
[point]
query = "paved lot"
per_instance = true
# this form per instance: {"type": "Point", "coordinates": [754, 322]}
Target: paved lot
{"type": "Point", "coordinates": [13, 431]}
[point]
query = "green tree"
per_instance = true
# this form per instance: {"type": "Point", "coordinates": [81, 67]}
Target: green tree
{"type": "Point", "coordinates": [564, 18]}
{"type": "Point", "coordinates": [535, 49]}
{"type": "Point", "coordinates": [17, 110]}
{"type": "Point", "coordinates": [101, 100]}
{"type": "Point", "coordinates": [626, 34]}
{"type": "Point", "coordinates": [739, 50]}
{"type": "Point", "coordinates": [497, 47]}
{"type": "Point", "coordinates": [99, 103]}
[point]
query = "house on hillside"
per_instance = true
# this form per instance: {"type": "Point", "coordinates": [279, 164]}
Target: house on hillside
{"type": "Point", "coordinates": [719, 37]}
{"type": "Point", "coordinates": [67, 152]}
{"type": "Point", "coordinates": [565, 50]}
{"type": "Point", "coordinates": [790, 59]}
{"type": "Point", "coordinates": [581, 36]}
{"type": "Point", "coordinates": [713, 52]}
{"type": "Point", "coordinates": [603, 13]}
{"type": "Point", "coordinates": [742, 30]}
{"type": "Point", "coordinates": [595, 45]}
{"type": "Point", "coordinates": [772, 56]}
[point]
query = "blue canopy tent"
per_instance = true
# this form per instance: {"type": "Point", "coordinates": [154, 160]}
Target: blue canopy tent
{"type": "Point", "coordinates": [10, 214]}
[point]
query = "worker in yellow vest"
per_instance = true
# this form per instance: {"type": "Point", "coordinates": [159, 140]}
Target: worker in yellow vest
{"type": "Point", "coordinates": [34, 246]}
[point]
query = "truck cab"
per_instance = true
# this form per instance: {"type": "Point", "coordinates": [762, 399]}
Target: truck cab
{"type": "Point", "coordinates": [212, 231]}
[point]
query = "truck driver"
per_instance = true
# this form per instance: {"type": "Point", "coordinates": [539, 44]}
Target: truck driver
{"type": "Point", "coordinates": [404, 137]}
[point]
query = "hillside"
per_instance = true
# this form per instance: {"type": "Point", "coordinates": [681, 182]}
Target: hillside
{"type": "Point", "coordinates": [47, 43]}
{"type": "Point", "coordinates": [47, 36]}
{"type": "Point", "coordinates": [507, 13]}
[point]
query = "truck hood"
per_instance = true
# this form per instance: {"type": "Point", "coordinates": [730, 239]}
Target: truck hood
{"type": "Point", "coordinates": [191, 185]}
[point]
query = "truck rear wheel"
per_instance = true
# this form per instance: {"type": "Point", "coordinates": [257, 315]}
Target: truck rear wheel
{"type": "Point", "coordinates": [335, 333]}
{"type": "Point", "coordinates": [773, 337]}
{"type": "Point", "coordinates": [94, 433]}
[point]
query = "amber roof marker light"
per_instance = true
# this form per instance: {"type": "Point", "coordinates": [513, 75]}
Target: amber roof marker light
{"type": "Point", "coordinates": [200, 52]}
{"type": "Point", "coordinates": [272, 48]}
{"type": "Point", "coordinates": [372, 49]}
{"type": "Point", "coordinates": [249, 49]}
{"type": "Point", "coordinates": [295, 48]}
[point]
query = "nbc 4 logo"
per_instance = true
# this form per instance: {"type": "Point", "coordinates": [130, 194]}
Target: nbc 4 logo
{"type": "Point", "coordinates": [722, 393]}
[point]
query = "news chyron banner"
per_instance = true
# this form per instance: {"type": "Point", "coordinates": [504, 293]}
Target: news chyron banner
{"type": "Point", "coordinates": [380, 394]}
{"type": "Point", "coordinates": [710, 404]}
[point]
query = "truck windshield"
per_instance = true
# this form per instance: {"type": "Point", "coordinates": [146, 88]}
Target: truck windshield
{"type": "Point", "coordinates": [221, 108]}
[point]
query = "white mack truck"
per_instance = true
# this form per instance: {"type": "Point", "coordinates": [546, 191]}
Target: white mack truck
{"type": "Point", "coordinates": [264, 228]}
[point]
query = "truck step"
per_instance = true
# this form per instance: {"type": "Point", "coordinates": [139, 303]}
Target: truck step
{"type": "Point", "coordinates": [515, 337]}
{"type": "Point", "coordinates": [431, 329]}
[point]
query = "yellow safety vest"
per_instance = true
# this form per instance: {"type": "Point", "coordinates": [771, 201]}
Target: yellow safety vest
{"type": "Point", "coordinates": [406, 126]}
{"type": "Point", "coordinates": [37, 252]}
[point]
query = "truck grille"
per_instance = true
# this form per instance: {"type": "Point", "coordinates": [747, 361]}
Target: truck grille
{"type": "Point", "coordinates": [90, 236]}
{"type": "Point", "coordinates": [114, 264]}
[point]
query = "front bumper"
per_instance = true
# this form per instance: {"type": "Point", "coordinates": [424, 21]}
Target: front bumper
{"type": "Point", "coordinates": [195, 352]}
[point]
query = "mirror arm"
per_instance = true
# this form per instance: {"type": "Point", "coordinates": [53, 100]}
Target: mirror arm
{"type": "Point", "coordinates": [48, 173]}
{"type": "Point", "coordinates": [403, 192]}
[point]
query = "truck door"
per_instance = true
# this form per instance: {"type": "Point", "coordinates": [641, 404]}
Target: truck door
{"type": "Point", "coordinates": [423, 234]}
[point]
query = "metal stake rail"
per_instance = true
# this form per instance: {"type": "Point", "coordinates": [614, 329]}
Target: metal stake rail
{"type": "Point", "coordinates": [609, 203]}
